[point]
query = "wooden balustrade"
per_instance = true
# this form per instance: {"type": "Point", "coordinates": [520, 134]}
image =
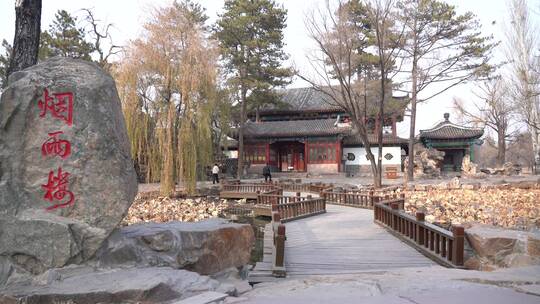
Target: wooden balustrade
{"type": "Point", "coordinates": [352, 199]}
{"type": "Point", "coordinates": [300, 209]}
{"type": "Point", "coordinates": [248, 191]}
{"type": "Point", "coordinates": [440, 244]}
{"type": "Point", "coordinates": [359, 199]}
{"type": "Point", "coordinates": [272, 199]}
{"type": "Point", "coordinates": [249, 187]}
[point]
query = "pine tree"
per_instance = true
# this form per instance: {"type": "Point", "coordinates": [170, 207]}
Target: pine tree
{"type": "Point", "coordinates": [4, 62]}
{"type": "Point", "coordinates": [250, 35]}
{"type": "Point", "coordinates": [443, 49]}
{"type": "Point", "coordinates": [64, 38]}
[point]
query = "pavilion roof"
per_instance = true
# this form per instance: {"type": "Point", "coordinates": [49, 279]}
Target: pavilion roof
{"type": "Point", "coordinates": [448, 130]}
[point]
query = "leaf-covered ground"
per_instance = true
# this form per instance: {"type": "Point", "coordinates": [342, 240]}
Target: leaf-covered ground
{"type": "Point", "coordinates": [512, 208]}
{"type": "Point", "coordinates": [150, 208]}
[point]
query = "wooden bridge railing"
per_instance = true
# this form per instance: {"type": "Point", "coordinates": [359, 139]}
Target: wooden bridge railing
{"type": "Point", "coordinates": [300, 208]}
{"type": "Point", "coordinates": [302, 187]}
{"type": "Point", "coordinates": [437, 243]}
{"type": "Point", "coordinates": [270, 198]}
{"type": "Point", "coordinates": [360, 199]}
{"type": "Point", "coordinates": [249, 187]}
{"type": "Point", "coordinates": [249, 191]}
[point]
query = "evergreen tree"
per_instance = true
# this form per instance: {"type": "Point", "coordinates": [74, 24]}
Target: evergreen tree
{"type": "Point", "coordinates": [250, 35]}
{"type": "Point", "coordinates": [443, 49]}
{"type": "Point", "coordinates": [4, 62]}
{"type": "Point", "coordinates": [64, 38]}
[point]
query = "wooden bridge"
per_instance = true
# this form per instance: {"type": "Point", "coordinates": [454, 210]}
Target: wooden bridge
{"type": "Point", "coordinates": [348, 232]}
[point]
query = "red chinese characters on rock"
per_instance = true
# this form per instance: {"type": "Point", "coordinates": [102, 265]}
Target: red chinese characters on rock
{"type": "Point", "coordinates": [55, 146]}
{"type": "Point", "coordinates": [59, 106]}
{"type": "Point", "coordinates": [56, 190]}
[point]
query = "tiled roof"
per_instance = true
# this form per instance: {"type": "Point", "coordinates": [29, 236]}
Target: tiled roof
{"type": "Point", "coordinates": [388, 139]}
{"type": "Point", "coordinates": [315, 127]}
{"type": "Point", "coordinates": [309, 99]}
{"type": "Point", "coordinates": [306, 99]}
{"type": "Point", "coordinates": [449, 130]}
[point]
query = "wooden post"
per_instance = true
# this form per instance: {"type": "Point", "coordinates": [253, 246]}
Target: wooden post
{"type": "Point", "coordinates": [258, 197]}
{"type": "Point", "coordinates": [458, 244]}
{"type": "Point", "coordinates": [420, 217]}
{"type": "Point", "coordinates": [276, 217]}
{"type": "Point", "coordinates": [395, 208]}
{"type": "Point", "coordinates": [278, 269]}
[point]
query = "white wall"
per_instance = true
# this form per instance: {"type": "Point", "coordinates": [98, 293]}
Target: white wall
{"type": "Point", "coordinates": [360, 155]}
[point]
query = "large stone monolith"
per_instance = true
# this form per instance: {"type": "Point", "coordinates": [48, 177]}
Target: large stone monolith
{"type": "Point", "coordinates": [66, 175]}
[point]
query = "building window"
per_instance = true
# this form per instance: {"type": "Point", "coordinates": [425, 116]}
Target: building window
{"type": "Point", "coordinates": [256, 154]}
{"type": "Point", "coordinates": [388, 156]}
{"type": "Point", "coordinates": [320, 153]}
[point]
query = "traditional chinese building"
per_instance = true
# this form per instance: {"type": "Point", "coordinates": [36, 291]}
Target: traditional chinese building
{"type": "Point", "coordinates": [306, 134]}
{"type": "Point", "coordinates": [454, 140]}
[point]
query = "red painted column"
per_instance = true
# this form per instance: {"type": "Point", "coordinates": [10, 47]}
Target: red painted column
{"type": "Point", "coordinates": [267, 147]}
{"type": "Point", "coordinates": [338, 156]}
{"type": "Point", "coordinates": [306, 155]}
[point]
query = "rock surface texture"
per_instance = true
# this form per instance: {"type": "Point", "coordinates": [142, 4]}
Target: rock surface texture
{"type": "Point", "coordinates": [498, 247]}
{"type": "Point", "coordinates": [86, 286]}
{"type": "Point", "coordinates": [66, 176]}
{"type": "Point", "coordinates": [206, 247]}
{"type": "Point", "coordinates": [427, 162]}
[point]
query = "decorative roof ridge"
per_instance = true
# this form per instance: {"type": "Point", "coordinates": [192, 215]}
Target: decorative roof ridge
{"type": "Point", "coordinates": [445, 123]}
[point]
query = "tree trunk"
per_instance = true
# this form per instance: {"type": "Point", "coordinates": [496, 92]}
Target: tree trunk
{"type": "Point", "coordinates": [536, 149]}
{"type": "Point", "coordinates": [167, 181]}
{"type": "Point", "coordinates": [27, 31]}
{"type": "Point", "coordinates": [501, 147]}
{"type": "Point", "coordinates": [240, 169]}
{"type": "Point", "coordinates": [380, 135]}
{"type": "Point", "coordinates": [414, 93]}
{"type": "Point", "coordinates": [362, 132]}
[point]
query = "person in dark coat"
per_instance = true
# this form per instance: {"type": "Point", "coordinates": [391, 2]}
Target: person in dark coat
{"type": "Point", "coordinates": [266, 173]}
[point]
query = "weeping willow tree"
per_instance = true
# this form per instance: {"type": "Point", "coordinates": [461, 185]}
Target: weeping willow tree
{"type": "Point", "coordinates": [167, 83]}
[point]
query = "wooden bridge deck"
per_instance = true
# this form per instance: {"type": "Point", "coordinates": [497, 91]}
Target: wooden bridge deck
{"type": "Point", "coordinates": [344, 240]}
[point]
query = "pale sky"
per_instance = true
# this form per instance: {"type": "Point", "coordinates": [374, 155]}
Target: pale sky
{"type": "Point", "coordinates": [128, 16]}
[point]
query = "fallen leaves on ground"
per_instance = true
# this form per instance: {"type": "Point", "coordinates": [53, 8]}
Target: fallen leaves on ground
{"type": "Point", "coordinates": [164, 209]}
{"type": "Point", "coordinates": [511, 208]}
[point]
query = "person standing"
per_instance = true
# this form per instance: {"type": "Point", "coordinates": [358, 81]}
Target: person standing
{"type": "Point", "coordinates": [266, 173]}
{"type": "Point", "coordinates": [215, 174]}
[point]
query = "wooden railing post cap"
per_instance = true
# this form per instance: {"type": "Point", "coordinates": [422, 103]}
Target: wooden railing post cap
{"type": "Point", "coordinates": [458, 230]}
{"type": "Point", "coordinates": [420, 216]}
{"type": "Point", "coordinates": [274, 206]}
{"type": "Point", "coordinates": [394, 206]}
{"type": "Point", "coordinates": [275, 216]}
{"type": "Point", "coordinates": [281, 229]}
